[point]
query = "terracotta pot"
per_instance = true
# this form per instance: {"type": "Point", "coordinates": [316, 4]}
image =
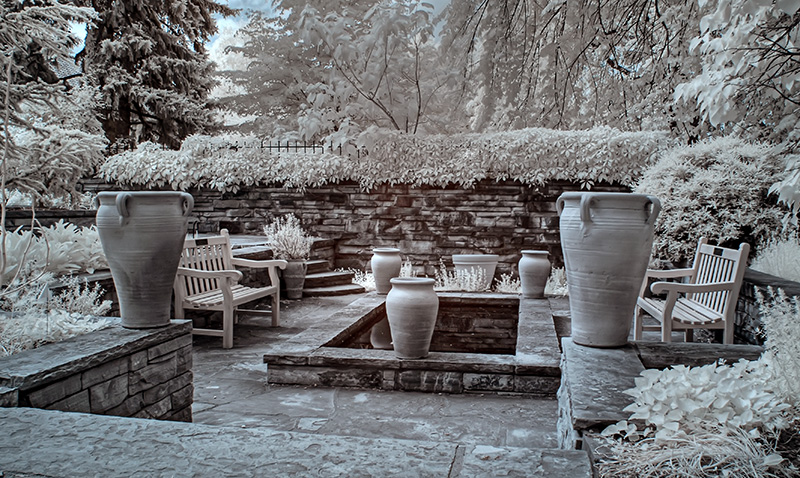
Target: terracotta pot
{"type": "Point", "coordinates": [142, 233]}
{"type": "Point", "coordinates": [386, 264]}
{"type": "Point", "coordinates": [606, 239]}
{"type": "Point", "coordinates": [411, 307]}
{"type": "Point", "coordinates": [465, 263]}
{"type": "Point", "coordinates": [534, 270]}
{"type": "Point", "coordinates": [294, 277]}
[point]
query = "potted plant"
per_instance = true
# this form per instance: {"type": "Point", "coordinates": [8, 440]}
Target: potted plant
{"type": "Point", "coordinates": [290, 242]}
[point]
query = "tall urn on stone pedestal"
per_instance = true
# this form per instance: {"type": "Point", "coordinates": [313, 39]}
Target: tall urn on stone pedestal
{"type": "Point", "coordinates": [411, 307]}
{"type": "Point", "coordinates": [142, 233]}
{"type": "Point", "coordinates": [606, 239]}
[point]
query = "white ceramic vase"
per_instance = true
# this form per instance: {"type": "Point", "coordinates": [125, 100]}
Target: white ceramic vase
{"type": "Point", "coordinates": [468, 263]}
{"type": "Point", "coordinates": [411, 307]}
{"type": "Point", "coordinates": [606, 239]}
{"type": "Point", "coordinates": [386, 264]}
{"type": "Point", "coordinates": [142, 234]}
{"type": "Point", "coordinates": [534, 270]}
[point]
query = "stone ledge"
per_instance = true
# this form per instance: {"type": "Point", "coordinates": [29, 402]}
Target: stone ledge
{"type": "Point", "coordinates": [58, 360]}
{"type": "Point", "coordinates": [78, 445]}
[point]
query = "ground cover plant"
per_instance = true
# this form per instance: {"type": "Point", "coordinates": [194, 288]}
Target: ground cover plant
{"type": "Point", "coordinates": [31, 314]}
{"type": "Point", "coordinates": [740, 419]}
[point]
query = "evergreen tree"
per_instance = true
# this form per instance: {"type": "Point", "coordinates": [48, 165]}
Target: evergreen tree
{"type": "Point", "coordinates": [149, 61]}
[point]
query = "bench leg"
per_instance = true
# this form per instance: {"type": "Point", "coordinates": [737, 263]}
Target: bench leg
{"type": "Point", "coordinates": [227, 327]}
{"type": "Point", "coordinates": [276, 309]}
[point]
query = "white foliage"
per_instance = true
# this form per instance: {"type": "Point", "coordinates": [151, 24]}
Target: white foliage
{"type": "Point", "coordinates": [716, 188]}
{"type": "Point", "coordinates": [779, 257]}
{"type": "Point", "coordinates": [532, 156]}
{"type": "Point", "coordinates": [287, 239]}
{"type": "Point", "coordinates": [61, 249]}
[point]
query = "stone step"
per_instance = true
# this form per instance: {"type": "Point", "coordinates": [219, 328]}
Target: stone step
{"type": "Point", "coordinates": [316, 266]}
{"type": "Point", "coordinates": [328, 278]}
{"type": "Point", "coordinates": [333, 290]}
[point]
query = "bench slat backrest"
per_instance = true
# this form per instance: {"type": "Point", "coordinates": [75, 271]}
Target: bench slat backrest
{"type": "Point", "coordinates": [719, 264]}
{"type": "Point", "coordinates": [207, 254]}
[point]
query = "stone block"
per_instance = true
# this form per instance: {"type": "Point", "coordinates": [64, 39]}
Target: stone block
{"type": "Point", "coordinates": [324, 376]}
{"type": "Point", "coordinates": [128, 408]}
{"type": "Point", "coordinates": [430, 381]}
{"type": "Point", "coordinates": [488, 382]}
{"type": "Point", "coordinates": [183, 415]}
{"type": "Point", "coordinates": [9, 397]}
{"type": "Point", "coordinates": [153, 374]}
{"type": "Point", "coordinates": [182, 398]}
{"type": "Point", "coordinates": [184, 359]}
{"type": "Point", "coordinates": [74, 403]}
{"type": "Point", "coordinates": [54, 392]}
{"type": "Point", "coordinates": [105, 372]}
{"type": "Point", "coordinates": [108, 394]}
{"type": "Point", "coordinates": [138, 360]}
{"type": "Point", "coordinates": [169, 346]}
{"type": "Point", "coordinates": [534, 385]}
{"type": "Point", "coordinates": [156, 410]}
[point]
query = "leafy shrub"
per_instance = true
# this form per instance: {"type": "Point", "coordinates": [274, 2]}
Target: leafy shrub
{"type": "Point", "coordinates": [532, 156]}
{"type": "Point", "coordinates": [287, 239]}
{"type": "Point", "coordinates": [33, 317]}
{"type": "Point", "coordinates": [779, 258]}
{"type": "Point", "coordinates": [61, 249]}
{"type": "Point", "coordinates": [717, 188]}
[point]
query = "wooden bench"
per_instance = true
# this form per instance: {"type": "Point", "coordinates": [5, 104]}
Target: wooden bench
{"type": "Point", "coordinates": [705, 299]}
{"type": "Point", "coordinates": [207, 280]}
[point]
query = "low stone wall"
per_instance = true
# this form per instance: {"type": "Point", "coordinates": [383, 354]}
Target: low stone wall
{"type": "Point", "coordinates": [115, 371]}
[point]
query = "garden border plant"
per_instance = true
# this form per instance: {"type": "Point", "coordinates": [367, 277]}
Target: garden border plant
{"type": "Point", "coordinates": [533, 156]}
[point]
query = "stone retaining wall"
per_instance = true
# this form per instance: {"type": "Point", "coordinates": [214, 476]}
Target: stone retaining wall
{"type": "Point", "coordinates": [426, 223]}
{"type": "Point", "coordinates": [115, 371]}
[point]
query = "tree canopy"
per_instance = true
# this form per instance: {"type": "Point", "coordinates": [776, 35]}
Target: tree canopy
{"type": "Point", "coordinates": [148, 61]}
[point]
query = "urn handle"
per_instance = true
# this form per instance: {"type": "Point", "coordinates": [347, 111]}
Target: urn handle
{"type": "Point", "coordinates": [586, 202]}
{"type": "Point", "coordinates": [122, 207]}
{"type": "Point", "coordinates": [653, 211]}
{"type": "Point", "coordinates": [188, 203]}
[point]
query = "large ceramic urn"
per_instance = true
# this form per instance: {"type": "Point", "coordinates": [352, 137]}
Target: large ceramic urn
{"type": "Point", "coordinates": [606, 239]}
{"type": "Point", "coordinates": [142, 233]}
{"type": "Point", "coordinates": [534, 270]}
{"type": "Point", "coordinates": [411, 307]}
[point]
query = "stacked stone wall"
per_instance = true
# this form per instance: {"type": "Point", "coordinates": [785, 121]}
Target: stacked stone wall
{"type": "Point", "coordinates": [115, 371]}
{"type": "Point", "coordinates": [426, 223]}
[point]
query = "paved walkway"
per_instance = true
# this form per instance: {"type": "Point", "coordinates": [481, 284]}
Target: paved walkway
{"type": "Point", "coordinates": [245, 427]}
{"type": "Point", "coordinates": [231, 389]}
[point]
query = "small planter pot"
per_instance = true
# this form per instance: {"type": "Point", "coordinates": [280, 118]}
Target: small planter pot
{"type": "Point", "coordinates": [411, 307]}
{"type": "Point", "coordinates": [468, 263]}
{"type": "Point", "coordinates": [534, 270]}
{"type": "Point", "coordinates": [142, 233]}
{"type": "Point", "coordinates": [386, 264]}
{"type": "Point", "coordinates": [294, 277]}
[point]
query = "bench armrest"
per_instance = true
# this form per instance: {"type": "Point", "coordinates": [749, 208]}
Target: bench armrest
{"type": "Point", "coordinates": [661, 287]}
{"type": "Point", "coordinates": [228, 274]}
{"type": "Point", "coordinates": [668, 273]}
{"type": "Point", "coordinates": [280, 264]}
